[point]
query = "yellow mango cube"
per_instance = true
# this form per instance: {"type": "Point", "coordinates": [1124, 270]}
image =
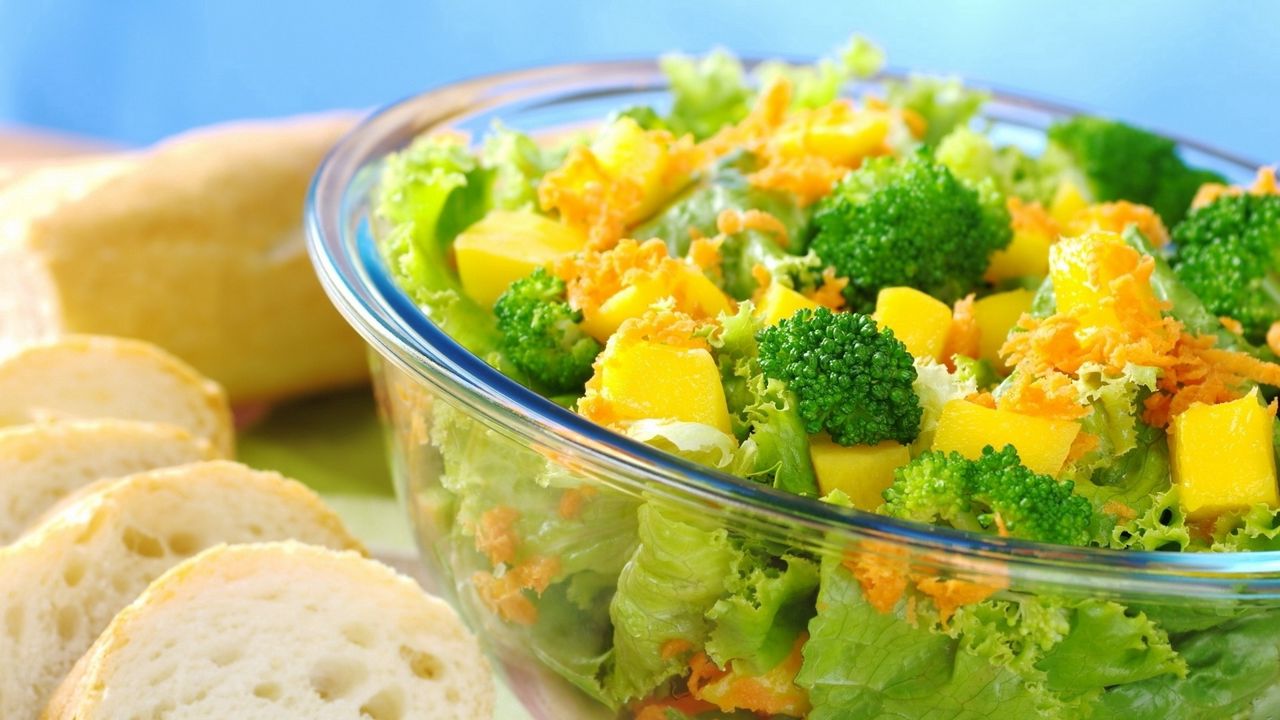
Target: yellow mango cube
{"type": "Point", "coordinates": [504, 246]}
{"type": "Point", "coordinates": [848, 142]}
{"type": "Point", "coordinates": [920, 321]}
{"type": "Point", "coordinates": [1042, 443]}
{"type": "Point", "coordinates": [648, 380]}
{"type": "Point", "coordinates": [1223, 457]}
{"type": "Point", "coordinates": [1068, 200]}
{"type": "Point", "coordinates": [996, 315]}
{"type": "Point", "coordinates": [781, 302]}
{"type": "Point", "coordinates": [1026, 255]}
{"type": "Point", "coordinates": [692, 291]}
{"type": "Point", "coordinates": [860, 471]}
{"type": "Point", "coordinates": [624, 149]}
{"type": "Point", "coordinates": [1083, 270]}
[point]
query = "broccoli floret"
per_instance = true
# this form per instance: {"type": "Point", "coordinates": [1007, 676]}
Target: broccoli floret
{"type": "Point", "coordinates": [1228, 253]}
{"type": "Point", "coordinates": [937, 487]}
{"type": "Point", "coordinates": [909, 222]}
{"type": "Point", "coordinates": [541, 336]}
{"type": "Point", "coordinates": [849, 377]}
{"type": "Point", "coordinates": [1122, 162]}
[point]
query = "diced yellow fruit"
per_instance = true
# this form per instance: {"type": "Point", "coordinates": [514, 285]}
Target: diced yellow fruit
{"type": "Point", "coordinates": [781, 302]}
{"type": "Point", "coordinates": [1223, 458]}
{"type": "Point", "coordinates": [996, 315]}
{"type": "Point", "coordinates": [644, 380]}
{"type": "Point", "coordinates": [1067, 201]}
{"type": "Point", "coordinates": [1042, 443]}
{"type": "Point", "coordinates": [692, 291]}
{"type": "Point", "coordinates": [846, 143]}
{"type": "Point", "coordinates": [920, 321]}
{"type": "Point", "coordinates": [1026, 255]}
{"type": "Point", "coordinates": [860, 471]}
{"type": "Point", "coordinates": [624, 149]}
{"type": "Point", "coordinates": [1083, 270]}
{"type": "Point", "coordinates": [504, 246]}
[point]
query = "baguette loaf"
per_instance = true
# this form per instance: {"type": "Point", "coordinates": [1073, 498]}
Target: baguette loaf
{"type": "Point", "coordinates": [280, 630]}
{"type": "Point", "coordinates": [63, 581]}
{"type": "Point", "coordinates": [195, 245]}
{"type": "Point", "coordinates": [41, 464]}
{"type": "Point", "coordinates": [81, 376]}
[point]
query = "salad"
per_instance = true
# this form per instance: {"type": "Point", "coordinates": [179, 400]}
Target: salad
{"type": "Point", "coordinates": [872, 302]}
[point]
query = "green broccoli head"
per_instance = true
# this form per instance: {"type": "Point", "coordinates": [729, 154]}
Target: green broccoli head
{"type": "Point", "coordinates": [849, 377]}
{"type": "Point", "coordinates": [1228, 253]}
{"type": "Point", "coordinates": [971, 494]}
{"type": "Point", "coordinates": [1122, 162]}
{"type": "Point", "coordinates": [541, 335]}
{"type": "Point", "coordinates": [909, 222]}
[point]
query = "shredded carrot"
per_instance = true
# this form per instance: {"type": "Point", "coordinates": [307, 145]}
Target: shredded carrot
{"type": "Point", "coordinates": [594, 276]}
{"type": "Point", "coordinates": [1232, 325]}
{"type": "Point", "coordinates": [571, 502]}
{"type": "Point", "coordinates": [1119, 509]}
{"type": "Point", "coordinates": [950, 594]}
{"type": "Point", "coordinates": [536, 573]}
{"type": "Point", "coordinates": [1264, 183]}
{"type": "Point", "coordinates": [915, 122]}
{"type": "Point", "coordinates": [964, 337]}
{"type": "Point", "coordinates": [762, 276]}
{"type": "Point", "coordinates": [705, 253]}
{"type": "Point", "coordinates": [674, 647]}
{"type": "Point", "coordinates": [1031, 217]}
{"type": "Point", "coordinates": [882, 571]}
{"type": "Point", "coordinates": [1115, 217]}
{"type": "Point", "coordinates": [732, 221]}
{"type": "Point", "coordinates": [1051, 395]}
{"type": "Point", "coordinates": [808, 178]}
{"type": "Point", "coordinates": [1273, 337]}
{"type": "Point", "coordinates": [983, 398]}
{"type": "Point", "coordinates": [1085, 443]}
{"type": "Point", "coordinates": [504, 597]}
{"type": "Point", "coordinates": [771, 693]}
{"type": "Point", "coordinates": [702, 670]}
{"type": "Point", "coordinates": [830, 294]}
{"type": "Point", "coordinates": [496, 534]}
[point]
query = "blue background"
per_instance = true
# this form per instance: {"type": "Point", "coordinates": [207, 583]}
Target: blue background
{"type": "Point", "coordinates": [136, 71]}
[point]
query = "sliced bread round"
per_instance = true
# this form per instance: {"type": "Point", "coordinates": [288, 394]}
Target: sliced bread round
{"type": "Point", "coordinates": [41, 464]}
{"type": "Point", "coordinates": [281, 630]}
{"type": "Point", "coordinates": [63, 581]}
{"type": "Point", "coordinates": [89, 376]}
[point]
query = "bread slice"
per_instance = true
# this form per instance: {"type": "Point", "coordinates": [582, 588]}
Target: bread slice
{"type": "Point", "coordinates": [41, 464]}
{"type": "Point", "coordinates": [195, 245]}
{"type": "Point", "coordinates": [280, 630]}
{"type": "Point", "coordinates": [63, 581]}
{"type": "Point", "coordinates": [82, 376]}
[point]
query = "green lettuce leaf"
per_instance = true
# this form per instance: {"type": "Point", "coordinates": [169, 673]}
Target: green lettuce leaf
{"type": "Point", "coordinates": [1108, 646]}
{"type": "Point", "coordinates": [762, 409]}
{"type": "Point", "coordinates": [516, 163]}
{"type": "Point", "coordinates": [944, 102]}
{"type": "Point", "coordinates": [708, 93]}
{"type": "Point", "coordinates": [694, 441]}
{"type": "Point", "coordinates": [1255, 530]}
{"type": "Point", "coordinates": [769, 603]}
{"type": "Point", "coordinates": [676, 574]}
{"type": "Point", "coordinates": [936, 386]}
{"type": "Point", "coordinates": [1233, 670]}
{"type": "Point", "coordinates": [818, 84]}
{"type": "Point", "coordinates": [860, 663]}
{"type": "Point", "coordinates": [428, 193]}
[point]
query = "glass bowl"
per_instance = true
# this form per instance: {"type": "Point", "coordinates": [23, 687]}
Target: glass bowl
{"type": "Point", "coordinates": [529, 518]}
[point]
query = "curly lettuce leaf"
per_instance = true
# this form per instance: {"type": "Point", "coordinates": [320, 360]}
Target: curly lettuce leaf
{"type": "Point", "coordinates": [708, 93]}
{"type": "Point", "coordinates": [1254, 530]}
{"type": "Point", "coordinates": [1233, 669]}
{"type": "Point", "coordinates": [1108, 646]}
{"type": "Point", "coordinates": [676, 574]}
{"type": "Point", "coordinates": [860, 663]}
{"type": "Point", "coordinates": [762, 409]}
{"type": "Point", "coordinates": [936, 386]}
{"type": "Point", "coordinates": [1162, 526]}
{"type": "Point", "coordinates": [429, 192]}
{"type": "Point", "coordinates": [768, 605]}
{"type": "Point", "coordinates": [818, 84]}
{"type": "Point", "coordinates": [944, 102]}
{"type": "Point", "coordinates": [516, 163]}
{"type": "Point", "coordinates": [693, 441]}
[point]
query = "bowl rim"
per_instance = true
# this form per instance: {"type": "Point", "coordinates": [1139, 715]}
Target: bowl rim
{"type": "Point", "coordinates": [355, 279]}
